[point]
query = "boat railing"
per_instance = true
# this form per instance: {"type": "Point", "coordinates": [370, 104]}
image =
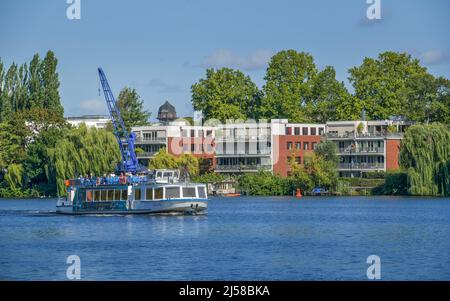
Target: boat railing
{"type": "Point", "coordinates": [109, 180]}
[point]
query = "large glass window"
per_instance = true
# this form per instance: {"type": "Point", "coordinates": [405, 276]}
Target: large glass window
{"type": "Point", "coordinates": [137, 194]}
{"type": "Point", "coordinates": [313, 131]}
{"type": "Point", "coordinates": [96, 195]}
{"type": "Point", "coordinates": [104, 194]}
{"type": "Point", "coordinates": [124, 195]}
{"type": "Point", "coordinates": [89, 196]}
{"type": "Point", "coordinates": [159, 193]}
{"type": "Point", "coordinates": [201, 192]}
{"type": "Point", "coordinates": [117, 195]}
{"type": "Point", "coordinates": [149, 194]}
{"type": "Point", "coordinates": [189, 192]}
{"type": "Point", "coordinates": [110, 195]}
{"type": "Point", "coordinates": [172, 192]}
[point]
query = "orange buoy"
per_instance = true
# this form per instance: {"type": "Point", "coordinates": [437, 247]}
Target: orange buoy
{"type": "Point", "coordinates": [298, 193]}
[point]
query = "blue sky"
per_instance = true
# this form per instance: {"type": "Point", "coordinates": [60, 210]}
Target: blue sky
{"type": "Point", "coordinates": [162, 47]}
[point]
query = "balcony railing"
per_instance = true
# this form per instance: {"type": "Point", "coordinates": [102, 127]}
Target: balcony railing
{"type": "Point", "coordinates": [364, 150]}
{"type": "Point", "coordinates": [238, 168]}
{"type": "Point", "coordinates": [150, 140]}
{"type": "Point", "coordinates": [243, 138]}
{"type": "Point", "coordinates": [360, 165]}
{"type": "Point", "coordinates": [352, 135]}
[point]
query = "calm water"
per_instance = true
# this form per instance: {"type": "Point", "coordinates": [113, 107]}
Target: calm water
{"type": "Point", "coordinates": [240, 239]}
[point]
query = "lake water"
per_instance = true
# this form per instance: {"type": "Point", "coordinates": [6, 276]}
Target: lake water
{"type": "Point", "coordinates": [246, 238]}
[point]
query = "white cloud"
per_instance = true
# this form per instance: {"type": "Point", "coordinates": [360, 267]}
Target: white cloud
{"type": "Point", "coordinates": [434, 56]}
{"type": "Point", "coordinates": [227, 58]}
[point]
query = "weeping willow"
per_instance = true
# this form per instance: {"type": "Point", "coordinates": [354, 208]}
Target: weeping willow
{"type": "Point", "coordinates": [83, 151]}
{"type": "Point", "coordinates": [425, 158]}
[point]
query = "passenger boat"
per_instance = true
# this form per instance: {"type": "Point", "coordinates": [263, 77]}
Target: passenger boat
{"type": "Point", "coordinates": [156, 193]}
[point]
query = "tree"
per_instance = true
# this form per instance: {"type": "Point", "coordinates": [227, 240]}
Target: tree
{"type": "Point", "coordinates": [35, 89]}
{"type": "Point", "coordinates": [186, 163]}
{"type": "Point", "coordinates": [225, 94]}
{"type": "Point", "coordinates": [288, 87]}
{"type": "Point", "coordinates": [50, 84]}
{"type": "Point", "coordinates": [132, 108]}
{"type": "Point", "coordinates": [329, 98]}
{"type": "Point", "coordinates": [393, 84]}
{"type": "Point", "coordinates": [9, 96]}
{"type": "Point", "coordinates": [328, 151]}
{"type": "Point", "coordinates": [82, 151]}
{"type": "Point", "coordinates": [425, 156]}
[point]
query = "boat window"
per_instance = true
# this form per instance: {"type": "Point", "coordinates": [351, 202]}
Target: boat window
{"type": "Point", "coordinates": [137, 194]}
{"type": "Point", "coordinates": [201, 192]}
{"type": "Point", "coordinates": [159, 174]}
{"type": "Point", "coordinates": [96, 195]}
{"type": "Point", "coordinates": [89, 195]}
{"type": "Point", "coordinates": [104, 193]}
{"type": "Point", "coordinates": [158, 193]}
{"type": "Point", "coordinates": [167, 174]}
{"type": "Point", "coordinates": [172, 192]}
{"type": "Point", "coordinates": [124, 195]}
{"type": "Point", "coordinates": [110, 195]}
{"type": "Point", "coordinates": [149, 194]}
{"type": "Point", "coordinates": [117, 195]}
{"type": "Point", "coordinates": [189, 192]}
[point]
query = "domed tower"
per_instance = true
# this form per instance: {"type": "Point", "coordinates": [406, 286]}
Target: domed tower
{"type": "Point", "coordinates": [167, 113]}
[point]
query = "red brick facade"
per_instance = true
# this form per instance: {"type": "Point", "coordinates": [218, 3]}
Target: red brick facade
{"type": "Point", "coordinates": [300, 145]}
{"type": "Point", "coordinates": [392, 153]}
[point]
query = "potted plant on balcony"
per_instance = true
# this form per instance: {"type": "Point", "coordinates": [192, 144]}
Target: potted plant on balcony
{"type": "Point", "coordinates": [360, 128]}
{"type": "Point", "coordinates": [391, 129]}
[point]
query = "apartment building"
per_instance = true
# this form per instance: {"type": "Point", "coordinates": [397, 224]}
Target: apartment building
{"type": "Point", "coordinates": [234, 148]}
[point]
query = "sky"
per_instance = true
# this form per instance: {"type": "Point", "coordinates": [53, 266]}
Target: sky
{"type": "Point", "coordinates": [162, 47]}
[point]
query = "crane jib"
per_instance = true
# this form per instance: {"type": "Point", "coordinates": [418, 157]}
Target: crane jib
{"type": "Point", "coordinates": [129, 160]}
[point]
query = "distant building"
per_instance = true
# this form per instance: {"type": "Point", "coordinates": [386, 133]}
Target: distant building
{"type": "Point", "coordinates": [167, 113]}
{"type": "Point", "coordinates": [96, 121]}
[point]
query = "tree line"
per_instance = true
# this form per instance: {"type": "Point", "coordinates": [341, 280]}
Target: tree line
{"type": "Point", "coordinates": [393, 84]}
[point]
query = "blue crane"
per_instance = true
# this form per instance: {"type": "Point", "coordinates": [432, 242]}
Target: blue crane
{"type": "Point", "coordinates": [126, 140]}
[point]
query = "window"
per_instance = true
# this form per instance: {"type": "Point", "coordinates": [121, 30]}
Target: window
{"type": "Point", "coordinates": [298, 160]}
{"type": "Point", "coordinates": [209, 133]}
{"type": "Point", "coordinates": [149, 194]}
{"type": "Point", "coordinates": [117, 195]}
{"type": "Point", "coordinates": [89, 196]}
{"type": "Point", "coordinates": [305, 145]}
{"type": "Point", "coordinates": [137, 194]}
{"type": "Point", "coordinates": [172, 192]}
{"type": "Point", "coordinates": [110, 195]}
{"type": "Point", "coordinates": [289, 145]}
{"type": "Point", "coordinates": [320, 131]}
{"type": "Point", "coordinates": [192, 148]}
{"type": "Point", "coordinates": [201, 192]}
{"type": "Point", "coordinates": [189, 192]}
{"type": "Point", "coordinates": [313, 145]}
{"type": "Point", "coordinates": [184, 133]}
{"type": "Point", "coordinates": [124, 194]}
{"type": "Point", "coordinates": [313, 131]}
{"type": "Point", "coordinates": [200, 133]}
{"type": "Point", "coordinates": [158, 193]}
{"type": "Point", "coordinates": [96, 195]}
{"type": "Point", "coordinates": [192, 133]}
{"type": "Point", "coordinates": [297, 131]}
{"type": "Point", "coordinates": [104, 194]}
{"type": "Point", "coordinates": [298, 145]}
{"type": "Point", "coordinates": [288, 131]}
{"type": "Point", "coordinates": [305, 131]}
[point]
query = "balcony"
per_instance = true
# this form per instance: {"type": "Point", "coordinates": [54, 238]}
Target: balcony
{"type": "Point", "coordinates": [360, 166]}
{"type": "Point", "coordinates": [150, 140]}
{"type": "Point", "coordinates": [243, 138]}
{"type": "Point", "coordinates": [361, 150]}
{"type": "Point", "coordinates": [353, 135]}
{"type": "Point", "coordinates": [242, 168]}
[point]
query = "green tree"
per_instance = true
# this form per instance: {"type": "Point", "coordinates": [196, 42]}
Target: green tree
{"type": "Point", "coordinates": [50, 84]}
{"type": "Point", "coordinates": [132, 108]}
{"type": "Point", "coordinates": [163, 160]}
{"type": "Point", "coordinates": [328, 151]}
{"type": "Point", "coordinates": [288, 87]}
{"type": "Point", "coordinates": [225, 94]}
{"type": "Point", "coordinates": [327, 97]}
{"type": "Point", "coordinates": [9, 95]}
{"type": "Point", "coordinates": [393, 84]}
{"type": "Point", "coordinates": [425, 156]}
{"type": "Point", "coordinates": [36, 94]}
